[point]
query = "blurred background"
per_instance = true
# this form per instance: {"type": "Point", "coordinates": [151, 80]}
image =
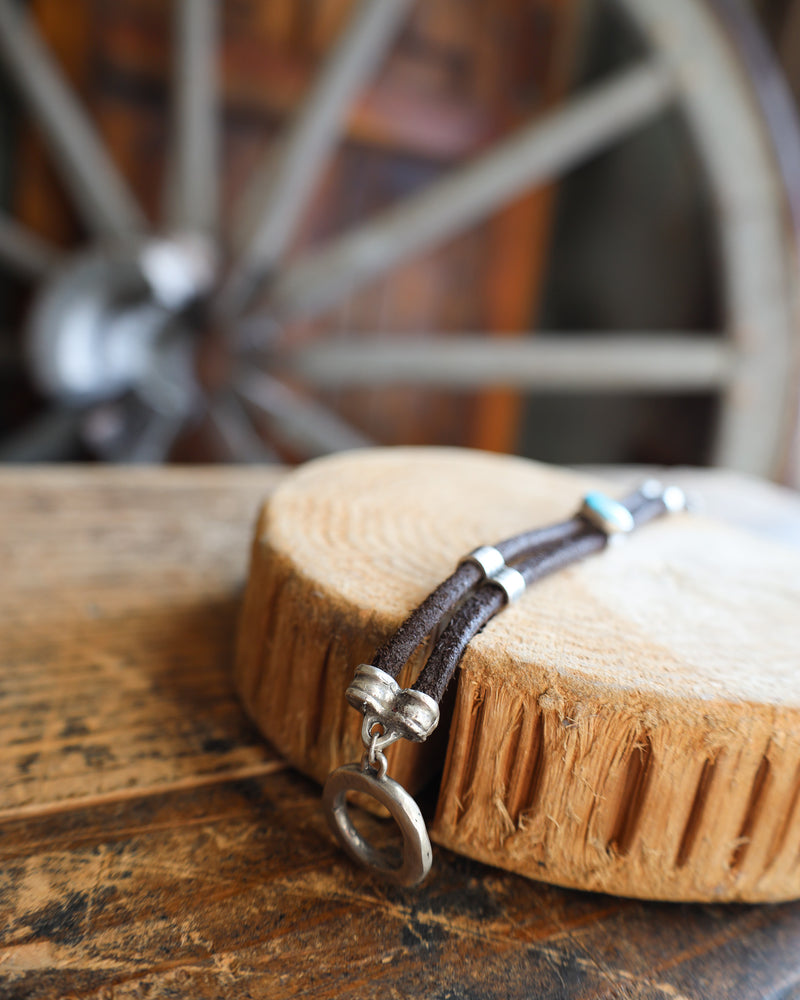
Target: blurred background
{"type": "Point", "coordinates": [263, 230]}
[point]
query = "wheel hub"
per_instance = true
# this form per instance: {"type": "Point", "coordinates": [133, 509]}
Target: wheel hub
{"type": "Point", "coordinates": [113, 320]}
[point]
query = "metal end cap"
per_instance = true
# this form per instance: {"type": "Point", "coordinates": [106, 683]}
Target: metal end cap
{"type": "Point", "coordinates": [415, 714]}
{"type": "Point", "coordinates": [403, 713]}
{"type": "Point", "coordinates": [372, 690]}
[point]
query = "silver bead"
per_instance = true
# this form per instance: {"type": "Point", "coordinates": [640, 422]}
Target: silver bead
{"type": "Point", "coordinates": [417, 854]}
{"type": "Point", "coordinates": [511, 582]}
{"type": "Point", "coordinates": [487, 558]}
{"type": "Point", "coordinates": [372, 691]}
{"type": "Point", "coordinates": [652, 489]}
{"type": "Point", "coordinates": [495, 571]}
{"type": "Point", "coordinates": [674, 499]}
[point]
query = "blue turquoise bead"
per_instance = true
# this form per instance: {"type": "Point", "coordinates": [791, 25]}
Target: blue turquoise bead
{"type": "Point", "coordinates": [608, 515]}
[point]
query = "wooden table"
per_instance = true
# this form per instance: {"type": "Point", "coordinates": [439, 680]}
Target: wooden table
{"type": "Point", "coordinates": [154, 846]}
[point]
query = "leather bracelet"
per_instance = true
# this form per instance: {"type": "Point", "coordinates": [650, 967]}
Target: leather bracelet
{"type": "Point", "coordinates": [483, 583]}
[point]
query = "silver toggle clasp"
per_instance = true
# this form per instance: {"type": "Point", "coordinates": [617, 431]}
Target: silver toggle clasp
{"type": "Point", "coordinates": [390, 713]}
{"type": "Point", "coordinates": [417, 853]}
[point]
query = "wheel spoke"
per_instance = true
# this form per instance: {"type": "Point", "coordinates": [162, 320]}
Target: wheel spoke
{"type": "Point", "coordinates": [271, 208]}
{"type": "Point", "coordinates": [534, 155]}
{"type": "Point", "coordinates": [99, 192]}
{"type": "Point", "coordinates": [571, 362]}
{"type": "Point", "coordinates": [128, 430]}
{"type": "Point", "coordinates": [192, 189]}
{"type": "Point", "coordinates": [237, 432]}
{"type": "Point", "coordinates": [25, 252]}
{"type": "Point", "coordinates": [301, 422]}
{"type": "Point", "coordinates": [154, 441]}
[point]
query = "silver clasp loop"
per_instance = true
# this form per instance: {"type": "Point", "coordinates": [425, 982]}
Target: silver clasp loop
{"type": "Point", "coordinates": [390, 713]}
{"type": "Point", "coordinates": [377, 740]}
{"type": "Point", "coordinates": [373, 757]}
{"type": "Point", "coordinates": [417, 853]}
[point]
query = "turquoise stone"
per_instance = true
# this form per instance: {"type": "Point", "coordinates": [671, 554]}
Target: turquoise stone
{"type": "Point", "coordinates": [606, 514]}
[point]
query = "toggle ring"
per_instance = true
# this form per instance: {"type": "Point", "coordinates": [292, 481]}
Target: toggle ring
{"type": "Point", "coordinates": [417, 854]}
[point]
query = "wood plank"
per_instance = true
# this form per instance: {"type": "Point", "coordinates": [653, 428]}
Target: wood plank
{"type": "Point", "coordinates": [113, 627]}
{"type": "Point", "coordinates": [242, 890]}
{"type": "Point", "coordinates": [239, 889]}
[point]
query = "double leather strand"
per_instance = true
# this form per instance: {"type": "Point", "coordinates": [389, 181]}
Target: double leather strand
{"type": "Point", "coordinates": [452, 592]}
{"type": "Point", "coordinates": [479, 608]}
{"type": "Point", "coordinates": [484, 581]}
{"type": "Point", "coordinates": [442, 601]}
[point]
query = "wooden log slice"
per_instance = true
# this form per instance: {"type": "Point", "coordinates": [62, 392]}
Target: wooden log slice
{"type": "Point", "coordinates": [632, 725]}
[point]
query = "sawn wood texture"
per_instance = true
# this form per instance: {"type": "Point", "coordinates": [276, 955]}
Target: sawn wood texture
{"type": "Point", "coordinates": [632, 725]}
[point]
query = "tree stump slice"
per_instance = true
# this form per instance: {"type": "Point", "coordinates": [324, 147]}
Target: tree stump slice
{"type": "Point", "coordinates": [631, 726]}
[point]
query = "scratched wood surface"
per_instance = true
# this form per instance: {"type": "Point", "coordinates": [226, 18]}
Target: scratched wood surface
{"type": "Point", "coordinates": [151, 845]}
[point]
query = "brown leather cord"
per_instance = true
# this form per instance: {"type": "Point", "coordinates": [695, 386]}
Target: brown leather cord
{"type": "Point", "coordinates": [476, 612]}
{"type": "Point", "coordinates": [444, 600]}
{"type": "Point", "coordinates": [489, 599]}
{"type": "Point", "coordinates": [520, 546]}
{"type": "Point", "coordinates": [486, 602]}
{"type": "Point", "coordinates": [441, 603]}
{"type": "Point", "coordinates": [394, 653]}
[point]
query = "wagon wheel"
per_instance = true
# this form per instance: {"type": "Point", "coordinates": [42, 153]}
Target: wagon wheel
{"type": "Point", "coordinates": [136, 316]}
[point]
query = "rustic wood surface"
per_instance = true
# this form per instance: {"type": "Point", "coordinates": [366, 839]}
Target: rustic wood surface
{"type": "Point", "coordinates": [632, 726]}
{"type": "Point", "coordinates": [153, 846]}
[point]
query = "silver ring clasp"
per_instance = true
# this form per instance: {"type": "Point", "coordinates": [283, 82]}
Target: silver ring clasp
{"type": "Point", "coordinates": [417, 853]}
